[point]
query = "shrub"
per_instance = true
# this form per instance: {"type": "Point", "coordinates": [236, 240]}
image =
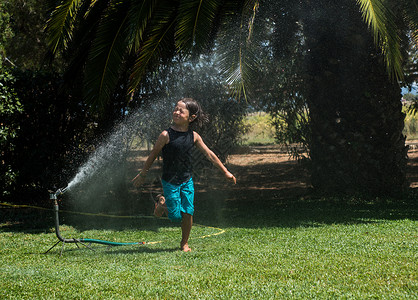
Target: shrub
{"type": "Point", "coordinates": [42, 131]}
{"type": "Point", "coordinates": [9, 130]}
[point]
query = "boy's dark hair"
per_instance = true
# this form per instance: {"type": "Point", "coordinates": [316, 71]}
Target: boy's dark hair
{"type": "Point", "coordinates": [194, 108]}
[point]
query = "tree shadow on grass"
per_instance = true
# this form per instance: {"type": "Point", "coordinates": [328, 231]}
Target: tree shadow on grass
{"type": "Point", "coordinates": [280, 195]}
{"type": "Point", "coordinates": [223, 210]}
{"type": "Point", "coordinates": [27, 220]}
{"type": "Point", "coordinates": [299, 212]}
{"type": "Point", "coordinates": [32, 220]}
{"type": "Point", "coordinates": [266, 195]}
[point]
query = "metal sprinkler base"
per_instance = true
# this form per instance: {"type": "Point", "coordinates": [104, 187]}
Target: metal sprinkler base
{"type": "Point", "coordinates": [63, 244]}
{"type": "Point", "coordinates": [58, 234]}
{"type": "Point", "coordinates": [82, 241]}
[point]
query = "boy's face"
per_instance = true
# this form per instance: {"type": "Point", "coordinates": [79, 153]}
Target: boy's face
{"type": "Point", "coordinates": [181, 115]}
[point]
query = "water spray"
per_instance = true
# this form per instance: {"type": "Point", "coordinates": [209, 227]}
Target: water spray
{"type": "Point", "coordinates": [83, 241]}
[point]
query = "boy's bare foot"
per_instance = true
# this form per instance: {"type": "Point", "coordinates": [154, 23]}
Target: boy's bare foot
{"type": "Point", "coordinates": [185, 248]}
{"type": "Point", "coordinates": [159, 208]}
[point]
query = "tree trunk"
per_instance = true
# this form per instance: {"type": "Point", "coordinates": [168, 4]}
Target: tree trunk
{"type": "Point", "coordinates": [357, 146]}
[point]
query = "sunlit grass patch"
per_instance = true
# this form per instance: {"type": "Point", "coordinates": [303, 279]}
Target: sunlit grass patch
{"type": "Point", "coordinates": [331, 256]}
{"type": "Point", "coordinates": [260, 130]}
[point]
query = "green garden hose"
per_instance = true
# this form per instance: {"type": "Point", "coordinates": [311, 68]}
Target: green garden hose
{"type": "Point", "coordinates": [94, 241]}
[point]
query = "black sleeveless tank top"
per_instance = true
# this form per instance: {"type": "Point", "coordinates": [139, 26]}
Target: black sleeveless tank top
{"type": "Point", "coordinates": [177, 156]}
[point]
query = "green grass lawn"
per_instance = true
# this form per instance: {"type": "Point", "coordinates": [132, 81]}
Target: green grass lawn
{"type": "Point", "coordinates": [301, 251]}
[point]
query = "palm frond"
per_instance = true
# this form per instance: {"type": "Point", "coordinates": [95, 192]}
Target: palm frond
{"type": "Point", "coordinates": [61, 24]}
{"type": "Point", "coordinates": [106, 54]}
{"type": "Point", "coordinates": [240, 66]}
{"type": "Point", "coordinates": [386, 35]}
{"type": "Point", "coordinates": [91, 6]}
{"type": "Point", "coordinates": [139, 16]}
{"type": "Point", "coordinates": [158, 39]}
{"type": "Point", "coordinates": [195, 23]}
{"type": "Point", "coordinates": [411, 15]}
{"type": "Point", "coordinates": [81, 42]}
{"type": "Point", "coordinates": [255, 7]}
{"type": "Point", "coordinates": [238, 59]}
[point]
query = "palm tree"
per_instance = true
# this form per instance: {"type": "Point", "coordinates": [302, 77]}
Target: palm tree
{"type": "Point", "coordinates": [357, 146]}
{"type": "Point", "coordinates": [355, 122]}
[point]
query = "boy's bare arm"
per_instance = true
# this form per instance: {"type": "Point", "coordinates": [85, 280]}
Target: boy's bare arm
{"type": "Point", "coordinates": [161, 141]}
{"type": "Point", "coordinates": [213, 158]}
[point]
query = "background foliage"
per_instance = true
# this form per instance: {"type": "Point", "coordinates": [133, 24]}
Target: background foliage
{"type": "Point", "coordinates": [9, 131]}
{"type": "Point", "coordinates": [268, 41]}
{"type": "Point", "coordinates": [44, 129]}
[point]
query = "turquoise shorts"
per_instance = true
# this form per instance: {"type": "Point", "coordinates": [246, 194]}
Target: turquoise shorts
{"type": "Point", "coordinates": [179, 199]}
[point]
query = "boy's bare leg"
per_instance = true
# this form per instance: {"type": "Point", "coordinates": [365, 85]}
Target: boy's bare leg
{"type": "Point", "coordinates": [186, 227]}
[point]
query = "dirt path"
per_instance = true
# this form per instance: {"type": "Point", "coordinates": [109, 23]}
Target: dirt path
{"type": "Point", "coordinates": [268, 168]}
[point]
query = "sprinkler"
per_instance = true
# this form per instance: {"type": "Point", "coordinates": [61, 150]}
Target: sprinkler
{"type": "Point", "coordinates": [54, 196]}
{"type": "Point", "coordinates": [59, 192]}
